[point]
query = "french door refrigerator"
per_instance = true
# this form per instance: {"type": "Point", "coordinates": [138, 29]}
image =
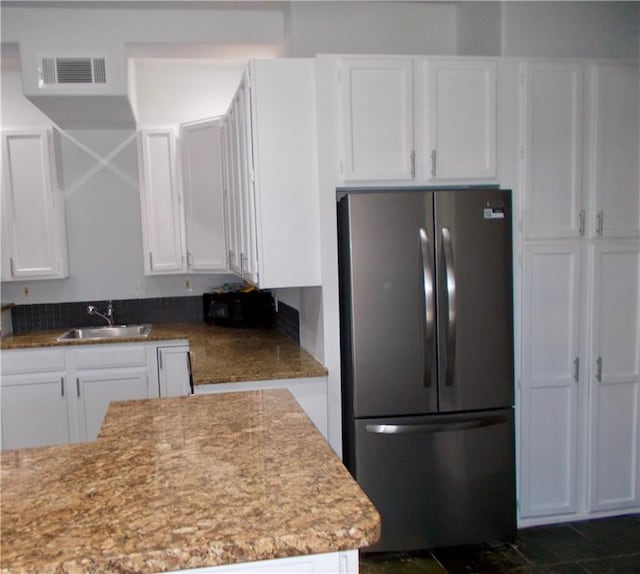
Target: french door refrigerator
{"type": "Point", "coordinates": [427, 362]}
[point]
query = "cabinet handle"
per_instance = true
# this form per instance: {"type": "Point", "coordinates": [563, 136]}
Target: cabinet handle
{"type": "Point", "coordinates": [582, 216]}
{"type": "Point", "coordinates": [12, 267]}
{"type": "Point", "coordinates": [599, 223]}
{"type": "Point", "coordinates": [576, 369]}
{"type": "Point", "coordinates": [190, 371]}
{"type": "Point", "coordinates": [62, 386]}
{"type": "Point", "coordinates": [150, 261]}
{"type": "Point", "coordinates": [242, 258]}
{"type": "Point", "coordinates": [599, 369]}
{"type": "Point", "coordinates": [412, 159]}
{"type": "Point", "coordinates": [78, 386]}
{"type": "Point", "coordinates": [160, 359]}
{"type": "Point", "coordinates": [433, 163]}
{"type": "Point", "coordinates": [189, 259]}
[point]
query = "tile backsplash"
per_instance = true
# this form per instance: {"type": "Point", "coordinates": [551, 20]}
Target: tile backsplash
{"type": "Point", "coordinates": [48, 316]}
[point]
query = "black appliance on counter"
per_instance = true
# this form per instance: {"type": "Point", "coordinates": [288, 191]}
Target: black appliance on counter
{"type": "Point", "coordinates": [239, 308]}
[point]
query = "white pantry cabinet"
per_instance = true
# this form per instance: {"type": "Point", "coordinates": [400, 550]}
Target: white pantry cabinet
{"type": "Point", "coordinates": [201, 146]}
{"type": "Point", "coordinates": [161, 203]}
{"type": "Point", "coordinates": [551, 149]}
{"type": "Point", "coordinates": [614, 480]}
{"type": "Point", "coordinates": [34, 241]}
{"type": "Point", "coordinates": [35, 408]}
{"type": "Point", "coordinates": [272, 175]}
{"type": "Point", "coordinates": [549, 379]}
{"type": "Point", "coordinates": [614, 149]}
{"type": "Point", "coordinates": [412, 121]}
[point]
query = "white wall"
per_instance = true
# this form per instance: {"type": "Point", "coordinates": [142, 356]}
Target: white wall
{"type": "Point", "coordinates": [571, 29]}
{"type": "Point", "coordinates": [173, 91]}
{"type": "Point", "coordinates": [111, 268]}
{"type": "Point", "coordinates": [373, 27]}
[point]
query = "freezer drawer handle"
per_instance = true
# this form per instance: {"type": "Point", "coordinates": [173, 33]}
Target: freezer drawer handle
{"type": "Point", "coordinates": [439, 426]}
{"type": "Point", "coordinates": [429, 310]}
{"type": "Point", "coordinates": [450, 278]}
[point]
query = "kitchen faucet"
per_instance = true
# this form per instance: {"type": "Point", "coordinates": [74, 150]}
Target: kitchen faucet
{"type": "Point", "coordinates": [108, 316]}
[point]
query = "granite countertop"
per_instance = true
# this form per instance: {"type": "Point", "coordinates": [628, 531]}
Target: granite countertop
{"type": "Point", "coordinates": [182, 483]}
{"type": "Point", "coordinates": [218, 354]}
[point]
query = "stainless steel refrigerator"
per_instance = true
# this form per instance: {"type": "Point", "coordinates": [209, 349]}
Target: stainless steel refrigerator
{"type": "Point", "coordinates": [427, 362]}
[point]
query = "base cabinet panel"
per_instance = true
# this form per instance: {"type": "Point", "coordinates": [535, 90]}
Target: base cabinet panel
{"type": "Point", "coordinates": [34, 411]}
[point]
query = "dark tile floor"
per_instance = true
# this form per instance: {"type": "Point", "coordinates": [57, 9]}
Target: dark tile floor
{"type": "Point", "coordinates": [604, 546]}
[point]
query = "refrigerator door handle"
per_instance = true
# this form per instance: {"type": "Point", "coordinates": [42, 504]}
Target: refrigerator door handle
{"type": "Point", "coordinates": [450, 278]}
{"type": "Point", "coordinates": [429, 305]}
{"type": "Point", "coordinates": [459, 425]}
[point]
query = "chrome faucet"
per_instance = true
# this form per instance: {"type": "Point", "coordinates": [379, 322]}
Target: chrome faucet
{"type": "Point", "coordinates": [108, 316]}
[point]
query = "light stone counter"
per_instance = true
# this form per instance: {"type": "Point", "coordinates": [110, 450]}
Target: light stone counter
{"type": "Point", "coordinates": [218, 354]}
{"type": "Point", "coordinates": [182, 483]}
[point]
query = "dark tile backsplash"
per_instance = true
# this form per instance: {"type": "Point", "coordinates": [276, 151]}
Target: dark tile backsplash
{"type": "Point", "coordinates": [43, 316]}
{"type": "Point", "coordinates": [288, 321]}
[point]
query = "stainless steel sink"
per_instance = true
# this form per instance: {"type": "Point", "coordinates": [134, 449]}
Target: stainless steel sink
{"type": "Point", "coordinates": [106, 332]}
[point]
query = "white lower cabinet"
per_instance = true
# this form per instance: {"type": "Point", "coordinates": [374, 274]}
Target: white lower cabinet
{"type": "Point", "coordinates": [579, 399]}
{"type": "Point", "coordinates": [174, 371]}
{"type": "Point", "coordinates": [60, 396]}
{"type": "Point", "coordinates": [345, 562]}
{"type": "Point", "coordinates": [106, 373]}
{"type": "Point", "coordinates": [35, 409]}
{"type": "Point", "coordinates": [309, 392]}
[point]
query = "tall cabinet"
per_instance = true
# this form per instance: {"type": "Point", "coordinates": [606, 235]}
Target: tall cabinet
{"type": "Point", "coordinates": [580, 307]}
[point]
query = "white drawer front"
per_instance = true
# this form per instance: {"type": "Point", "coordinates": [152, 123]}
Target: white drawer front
{"type": "Point", "coordinates": [105, 356]}
{"type": "Point", "coordinates": [20, 361]}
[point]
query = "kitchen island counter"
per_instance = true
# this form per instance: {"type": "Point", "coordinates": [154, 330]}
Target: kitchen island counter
{"type": "Point", "coordinates": [182, 483]}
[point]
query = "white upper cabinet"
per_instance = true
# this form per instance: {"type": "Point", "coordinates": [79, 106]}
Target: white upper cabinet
{"type": "Point", "coordinates": [412, 121]}
{"type": "Point", "coordinates": [272, 177]}
{"type": "Point", "coordinates": [202, 174]}
{"type": "Point", "coordinates": [551, 149]}
{"type": "Point", "coordinates": [378, 121]}
{"type": "Point", "coordinates": [460, 119]}
{"type": "Point", "coordinates": [161, 203]}
{"type": "Point", "coordinates": [615, 365]}
{"type": "Point", "coordinates": [34, 234]}
{"type": "Point", "coordinates": [614, 150]}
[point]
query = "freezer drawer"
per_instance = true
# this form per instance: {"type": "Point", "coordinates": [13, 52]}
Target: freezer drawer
{"type": "Point", "coordinates": [439, 480]}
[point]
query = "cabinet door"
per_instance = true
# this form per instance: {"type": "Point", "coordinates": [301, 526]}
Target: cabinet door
{"type": "Point", "coordinates": [461, 119]}
{"type": "Point", "coordinates": [174, 371]}
{"type": "Point", "coordinates": [614, 150]}
{"type": "Point", "coordinates": [233, 190]}
{"type": "Point", "coordinates": [36, 239]}
{"type": "Point", "coordinates": [161, 204]}
{"type": "Point", "coordinates": [35, 411]}
{"type": "Point", "coordinates": [550, 372]}
{"type": "Point", "coordinates": [201, 145]}
{"type": "Point", "coordinates": [246, 181]}
{"type": "Point", "coordinates": [551, 149]}
{"type": "Point", "coordinates": [377, 105]}
{"type": "Point", "coordinates": [96, 390]}
{"type": "Point", "coordinates": [615, 439]}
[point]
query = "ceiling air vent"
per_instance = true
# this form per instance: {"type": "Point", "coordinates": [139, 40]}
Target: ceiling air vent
{"type": "Point", "coordinates": [66, 71]}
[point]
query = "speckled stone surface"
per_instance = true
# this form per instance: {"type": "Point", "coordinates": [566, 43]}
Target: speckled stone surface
{"type": "Point", "coordinates": [182, 483]}
{"type": "Point", "coordinates": [218, 354]}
